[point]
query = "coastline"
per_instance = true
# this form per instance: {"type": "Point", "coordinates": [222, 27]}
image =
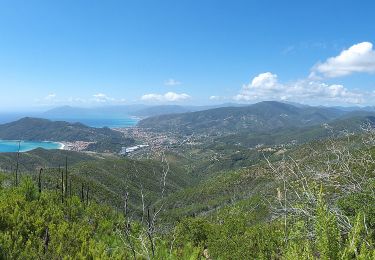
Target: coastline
{"type": "Point", "coordinates": [62, 146]}
{"type": "Point", "coordinates": [27, 146]}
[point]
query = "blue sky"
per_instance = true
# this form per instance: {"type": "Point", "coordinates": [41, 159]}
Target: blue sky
{"type": "Point", "coordinates": [89, 53]}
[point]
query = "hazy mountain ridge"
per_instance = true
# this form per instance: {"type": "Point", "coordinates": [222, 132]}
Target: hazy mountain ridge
{"type": "Point", "coordinates": [37, 129]}
{"type": "Point", "coordinates": [263, 116]}
{"type": "Point", "coordinates": [139, 110]}
{"type": "Point", "coordinates": [143, 111]}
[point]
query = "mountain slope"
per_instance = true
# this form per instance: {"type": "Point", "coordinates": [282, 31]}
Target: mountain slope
{"type": "Point", "coordinates": [108, 177]}
{"type": "Point", "coordinates": [263, 116]}
{"type": "Point", "coordinates": [120, 111]}
{"type": "Point", "coordinates": [33, 160]}
{"type": "Point", "coordinates": [263, 176]}
{"type": "Point", "coordinates": [297, 135]}
{"type": "Point", "coordinates": [36, 129]}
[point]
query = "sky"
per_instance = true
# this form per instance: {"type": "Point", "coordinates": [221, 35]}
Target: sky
{"type": "Point", "coordinates": [94, 53]}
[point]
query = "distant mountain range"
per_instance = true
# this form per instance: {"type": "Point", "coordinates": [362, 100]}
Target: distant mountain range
{"type": "Point", "coordinates": [37, 129]}
{"type": "Point", "coordinates": [105, 111]}
{"type": "Point", "coordinates": [259, 117]}
{"type": "Point", "coordinates": [77, 114]}
{"type": "Point", "coordinates": [268, 117]}
{"type": "Point", "coordinates": [141, 111]}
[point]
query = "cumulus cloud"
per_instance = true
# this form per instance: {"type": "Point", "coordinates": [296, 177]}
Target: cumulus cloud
{"type": "Point", "coordinates": [263, 86]}
{"type": "Point", "coordinates": [102, 98]}
{"type": "Point", "coordinates": [265, 81]}
{"type": "Point", "coordinates": [266, 86]}
{"type": "Point", "coordinates": [54, 99]}
{"type": "Point", "coordinates": [358, 58]}
{"type": "Point", "coordinates": [50, 97]}
{"type": "Point", "coordinates": [172, 82]}
{"type": "Point", "coordinates": [167, 97]}
{"type": "Point", "coordinates": [214, 98]}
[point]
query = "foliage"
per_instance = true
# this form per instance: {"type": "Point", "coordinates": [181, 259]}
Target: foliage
{"type": "Point", "coordinates": [33, 226]}
{"type": "Point", "coordinates": [314, 201]}
{"type": "Point", "coordinates": [328, 239]}
{"type": "Point", "coordinates": [259, 117]}
{"type": "Point", "coordinates": [37, 129]}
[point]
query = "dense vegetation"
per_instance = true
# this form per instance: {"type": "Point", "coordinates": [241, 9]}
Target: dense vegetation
{"type": "Point", "coordinates": [213, 199]}
{"type": "Point", "coordinates": [263, 116]}
{"type": "Point", "coordinates": [278, 209]}
{"type": "Point", "coordinates": [109, 176]}
{"type": "Point", "coordinates": [33, 160]}
{"type": "Point", "coordinates": [319, 220]}
{"type": "Point", "coordinates": [37, 225]}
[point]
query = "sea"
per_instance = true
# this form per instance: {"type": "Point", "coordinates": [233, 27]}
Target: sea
{"type": "Point", "coordinates": [103, 122]}
{"type": "Point", "coordinates": [99, 122]}
{"type": "Point", "coordinates": [11, 146]}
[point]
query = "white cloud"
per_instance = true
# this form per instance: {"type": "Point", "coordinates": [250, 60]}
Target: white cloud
{"type": "Point", "coordinates": [265, 81]}
{"type": "Point", "coordinates": [263, 86]}
{"type": "Point", "coordinates": [172, 82]}
{"type": "Point", "coordinates": [53, 99]}
{"type": "Point", "coordinates": [152, 97]}
{"type": "Point", "coordinates": [358, 58]}
{"type": "Point", "coordinates": [167, 97]}
{"type": "Point", "coordinates": [102, 98]}
{"type": "Point", "coordinates": [171, 96]}
{"type": "Point", "coordinates": [266, 86]}
{"type": "Point", "coordinates": [50, 97]}
{"type": "Point", "coordinates": [214, 98]}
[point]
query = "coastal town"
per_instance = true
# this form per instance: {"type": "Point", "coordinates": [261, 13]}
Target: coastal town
{"type": "Point", "coordinates": [76, 146]}
{"type": "Point", "coordinates": [155, 142]}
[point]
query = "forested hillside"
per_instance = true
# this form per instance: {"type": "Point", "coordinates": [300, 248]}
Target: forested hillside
{"type": "Point", "coordinates": [314, 201]}
{"type": "Point", "coordinates": [263, 116]}
{"type": "Point", "coordinates": [109, 176]}
{"type": "Point", "coordinates": [42, 129]}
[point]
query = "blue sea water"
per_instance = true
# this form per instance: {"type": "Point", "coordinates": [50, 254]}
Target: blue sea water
{"type": "Point", "coordinates": [12, 146]}
{"type": "Point", "coordinates": [102, 122]}
{"type": "Point", "coordinates": [111, 122]}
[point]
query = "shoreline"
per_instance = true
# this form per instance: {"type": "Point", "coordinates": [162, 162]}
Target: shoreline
{"type": "Point", "coordinates": [62, 146]}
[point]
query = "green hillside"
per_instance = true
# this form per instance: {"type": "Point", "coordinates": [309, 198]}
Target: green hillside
{"type": "Point", "coordinates": [263, 116]}
{"type": "Point", "coordinates": [287, 192]}
{"type": "Point", "coordinates": [109, 176]}
{"type": "Point", "coordinates": [261, 179]}
{"type": "Point", "coordinates": [297, 135]}
{"type": "Point", "coordinates": [315, 201]}
{"type": "Point", "coordinates": [41, 158]}
{"type": "Point", "coordinates": [36, 224]}
{"type": "Point", "coordinates": [36, 129]}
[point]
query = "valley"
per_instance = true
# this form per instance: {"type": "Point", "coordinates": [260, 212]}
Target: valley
{"type": "Point", "coordinates": [206, 172]}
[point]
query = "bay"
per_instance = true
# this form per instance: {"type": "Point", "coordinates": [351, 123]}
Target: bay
{"type": "Point", "coordinates": [11, 146]}
{"type": "Point", "coordinates": [102, 122]}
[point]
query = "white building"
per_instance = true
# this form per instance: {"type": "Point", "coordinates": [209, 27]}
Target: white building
{"type": "Point", "coordinates": [127, 150]}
